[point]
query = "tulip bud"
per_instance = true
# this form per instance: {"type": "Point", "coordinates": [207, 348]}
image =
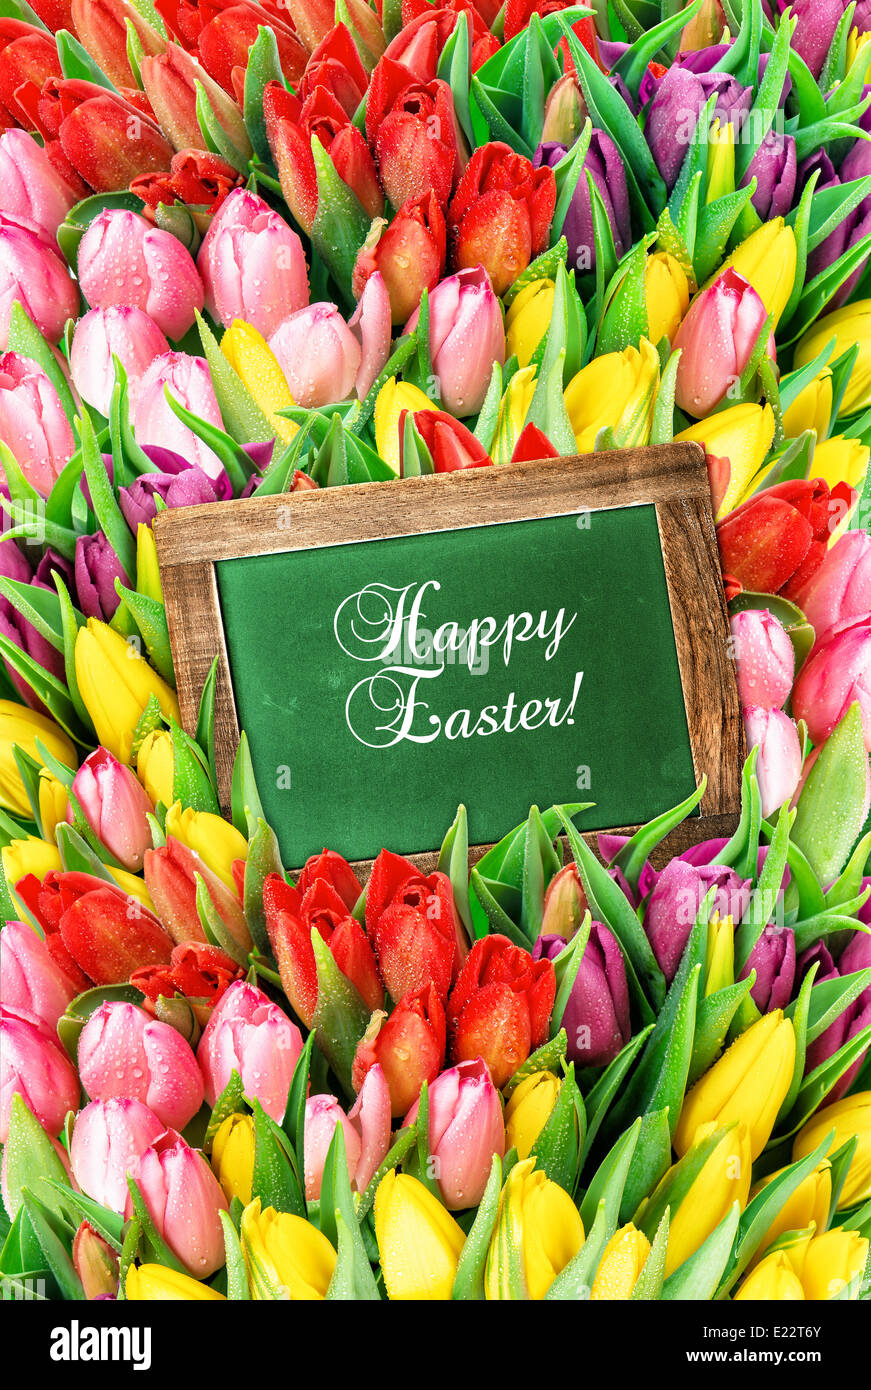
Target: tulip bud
{"type": "Point", "coordinates": [465, 337]}
{"type": "Point", "coordinates": [409, 1046]}
{"type": "Point", "coordinates": [565, 903]}
{"type": "Point", "coordinates": [540, 1225]}
{"type": "Point", "coordinates": [255, 363]}
{"type": "Point", "coordinates": [393, 400]}
{"type": "Point", "coordinates": [319, 355]}
{"type": "Point", "coordinates": [252, 1036]}
{"type": "Point", "coordinates": [122, 331]}
{"type": "Point", "coordinates": [774, 1279]}
{"type": "Point", "coordinates": [233, 1157]}
{"type": "Point", "coordinates": [513, 411]}
{"type": "Point", "coordinates": [616, 390]}
{"type": "Point", "coordinates": [736, 442]}
{"type": "Point", "coordinates": [414, 927]}
{"type": "Point", "coordinates": [34, 1065]}
{"type": "Point", "coordinates": [500, 1006]}
{"type": "Point", "coordinates": [32, 421]}
{"type": "Point", "coordinates": [605, 168]}
{"type": "Point", "coordinates": [322, 1116]}
{"type": "Point", "coordinates": [808, 1206]}
{"type": "Point", "coordinates": [465, 1131]}
{"type": "Point", "coordinates": [847, 1117]}
{"type": "Point", "coordinates": [501, 213]}
{"type": "Point", "coordinates": [666, 295]}
{"type": "Point", "coordinates": [215, 840]}
{"type": "Point", "coordinates": [419, 1243]}
{"type": "Point", "coordinates": [529, 1108]}
{"type": "Point", "coordinates": [252, 265]}
{"type": "Point", "coordinates": [778, 765]}
{"type": "Point", "coordinates": [171, 875]}
{"type": "Point", "coordinates": [155, 766]}
{"type": "Point", "coordinates": [151, 1283]}
{"type": "Point", "coordinates": [811, 409]}
{"type": "Point", "coordinates": [764, 658]}
{"type": "Point", "coordinates": [596, 1017]}
{"type": "Point", "coordinates": [53, 802]}
{"type": "Point", "coordinates": [170, 80]}
{"type": "Point", "coordinates": [528, 319]}
{"type": "Point", "coordinates": [621, 1263]}
{"type": "Point", "coordinates": [115, 807]}
{"type": "Point", "coordinates": [716, 340]}
{"type": "Point", "coordinates": [123, 260]}
{"type": "Point", "coordinates": [190, 382]}
{"type": "Point", "coordinates": [286, 1256]}
{"type": "Point", "coordinates": [849, 325]}
{"type": "Point", "coordinates": [700, 1189]}
{"type": "Point", "coordinates": [31, 983]}
{"type": "Point", "coordinates": [109, 1139]}
{"type": "Point", "coordinates": [183, 1199]}
{"type": "Point", "coordinates": [34, 275]}
{"type": "Point", "coordinates": [837, 673]}
{"type": "Point", "coordinates": [22, 858]}
{"type": "Point", "coordinates": [826, 1264]}
{"type": "Point", "coordinates": [767, 259]}
{"type": "Point", "coordinates": [773, 960]}
{"type": "Point", "coordinates": [565, 111]}
{"type": "Point", "coordinates": [840, 590]}
{"type": "Point", "coordinates": [122, 1052]}
{"type": "Point", "coordinates": [115, 683]}
{"type": "Point", "coordinates": [675, 901]}
{"type": "Point", "coordinates": [34, 192]}
{"type": "Point", "coordinates": [95, 1262]}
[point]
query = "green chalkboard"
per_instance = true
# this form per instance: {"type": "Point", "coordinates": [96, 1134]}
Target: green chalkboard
{"type": "Point", "coordinates": [384, 681]}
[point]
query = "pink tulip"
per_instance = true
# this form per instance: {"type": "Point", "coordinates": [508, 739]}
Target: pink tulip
{"type": "Point", "coordinates": [465, 1131]}
{"type": "Point", "coordinates": [252, 264]}
{"type": "Point", "coordinates": [34, 1065]}
{"type": "Point", "coordinates": [123, 1052]}
{"type": "Point", "coordinates": [371, 325]}
{"type": "Point", "coordinates": [841, 588]}
{"type": "Point", "coordinates": [30, 980]}
{"type": "Point", "coordinates": [367, 1133]}
{"type": "Point", "coordinates": [115, 807]}
{"type": "Point", "coordinates": [318, 354]}
{"type": "Point", "coordinates": [715, 340]}
{"type": "Point", "coordinates": [128, 334]}
{"type": "Point", "coordinates": [109, 1139]}
{"type": "Point", "coordinates": [322, 1115]}
{"type": "Point", "coordinates": [32, 421]}
{"type": "Point", "coordinates": [125, 260]}
{"type": "Point", "coordinates": [778, 762]}
{"type": "Point", "coordinates": [183, 1198]}
{"type": "Point", "coordinates": [36, 276]}
{"type": "Point", "coordinates": [835, 675]}
{"type": "Point", "coordinates": [764, 658]}
{"type": "Point", "coordinates": [190, 381]}
{"type": "Point", "coordinates": [466, 337]}
{"type": "Point", "coordinates": [33, 191]}
{"type": "Point", "coordinates": [252, 1036]}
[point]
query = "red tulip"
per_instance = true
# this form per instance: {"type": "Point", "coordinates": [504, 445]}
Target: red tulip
{"type": "Point", "coordinates": [413, 924]}
{"type": "Point", "coordinates": [451, 445]}
{"type": "Point", "coordinates": [28, 57]}
{"type": "Point", "coordinates": [500, 1007]}
{"type": "Point", "coordinates": [225, 39]}
{"type": "Point", "coordinates": [532, 444]}
{"type": "Point", "coordinates": [426, 30]}
{"type": "Point", "coordinates": [409, 253]}
{"type": "Point", "coordinates": [106, 934]}
{"type": "Point", "coordinates": [412, 128]}
{"type": "Point", "coordinates": [171, 80]}
{"type": "Point", "coordinates": [101, 25]}
{"type": "Point", "coordinates": [196, 178]}
{"type": "Point", "coordinates": [335, 66]}
{"type": "Point", "coordinates": [334, 870]}
{"type": "Point", "coordinates": [104, 138]}
{"type": "Point", "coordinates": [774, 542]}
{"type": "Point", "coordinates": [200, 972]}
{"type": "Point", "coordinates": [409, 1047]}
{"type": "Point", "coordinates": [55, 14]}
{"type": "Point", "coordinates": [170, 874]}
{"type": "Point", "coordinates": [501, 213]}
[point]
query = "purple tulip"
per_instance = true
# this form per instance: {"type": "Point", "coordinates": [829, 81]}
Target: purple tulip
{"type": "Point", "coordinates": [14, 565]}
{"type": "Point", "coordinates": [187, 488]}
{"type": "Point", "coordinates": [815, 29]}
{"type": "Point", "coordinates": [596, 1018]}
{"type": "Point", "coordinates": [773, 959]}
{"type": "Point", "coordinates": [674, 903]}
{"type": "Point", "coordinates": [856, 956]}
{"type": "Point", "coordinates": [774, 168]}
{"type": "Point", "coordinates": [97, 568]}
{"type": "Point", "coordinates": [674, 112]}
{"type": "Point", "coordinates": [604, 163]}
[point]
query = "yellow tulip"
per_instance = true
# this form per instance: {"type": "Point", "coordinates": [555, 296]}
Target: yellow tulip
{"type": "Point", "coordinates": [825, 1264]}
{"type": "Point", "coordinates": [808, 1205]}
{"type": "Point", "coordinates": [840, 460]}
{"type": "Point", "coordinates": [286, 1256]}
{"type": "Point", "coordinates": [666, 294]}
{"type": "Point", "coordinates": [743, 434]}
{"type": "Point", "coordinates": [512, 414]}
{"type": "Point", "coordinates": [215, 840]}
{"type": "Point", "coordinates": [811, 409]}
{"type": "Point", "coordinates": [617, 389]}
{"type": "Point", "coordinates": [538, 1230]}
{"type": "Point", "coordinates": [147, 570]}
{"type": "Point", "coordinates": [133, 886]}
{"type": "Point", "coordinates": [700, 1189]}
{"type": "Point", "coordinates": [720, 962]}
{"type": "Point", "coordinates": [749, 1083]}
{"type": "Point", "coordinates": [155, 1283]}
{"type": "Point", "coordinates": [115, 682]}
{"type": "Point", "coordinates": [856, 41]}
{"type": "Point", "coordinates": [849, 1116]}
{"type": "Point", "coordinates": [529, 1109]}
{"type": "Point", "coordinates": [155, 766]}
{"type": "Point", "coordinates": [720, 175]}
{"type": "Point", "coordinates": [53, 802]}
{"type": "Point", "coordinates": [528, 319]}
{"type": "Point", "coordinates": [233, 1157]}
{"type": "Point", "coordinates": [250, 355]}
{"type": "Point", "coordinates": [848, 325]}
{"type": "Point", "coordinates": [30, 856]}
{"type": "Point", "coordinates": [394, 397]}
{"type": "Point", "coordinates": [767, 258]}
{"type": "Point", "coordinates": [418, 1240]}
{"type": "Point", "coordinates": [772, 1281]}
{"type": "Point", "coordinates": [22, 726]}
{"type": "Point", "coordinates": [621, 1263]}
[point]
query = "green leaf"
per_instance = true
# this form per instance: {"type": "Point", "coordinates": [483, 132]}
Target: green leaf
{"type": "Point", "coordinates": [264, 65]}
{"type": "Point", "coordinates": [26, 339]}
{"type": "Point", "coordinates": [650, 1161]}
{"type": "Point", "coordinates": [696, 1280]}
{"type": "Point", "coordinates": [149, 616]}
{"type": "Point", "coordinates": [405, 1141]}
{"type": "Point", "coordinates": [634, 854]}
{"type": "Point", "coordinates": [229, 1102]}
{"type": "Point", "coordinates": [649, 1283]}
{"type": "Point", "coordinates": [609, 1180]}
{"type": "Point", "coordinates": [831, 806]}
{"type": "Point", "coordinates": [191, 780]}
{"type": "Point", "coordinates": [241, 414]}
{"type": "Point", "coordinates": [608, 1084]}
{"type": "Point", "coordinates": [575, 1280]}
{"type": "Point", "coordinates": [237, 1278]}
{"type": "Point", "coordinates": [341, 224]}
{"type": "Point", "coordinates": [30, 1161]}
{"type": "Point", "coordinates": [340, 1016]}
{"type": "Point", "coordinates": [454, 862]}
{"type": "Point", "coordinates": [557, 1150]}
{"type": "Point", "coordinates": [52, 1236]}
{"type": "Point", "coordinates": [274, 1180]}
{"type": "Point", "coordinates": [355, 1277]}
{"type": "Point", "coordinates": [263, 859]}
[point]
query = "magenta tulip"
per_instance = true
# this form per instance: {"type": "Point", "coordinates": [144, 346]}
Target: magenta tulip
{"type": "Point", "coordinates": [125, 1053]}
{"type": "Point", "coordinates": [465, 1131]}
{"type": "Point", "coordinates": [35, 276]}
{"type": "Point", "coordinates": [15, 626]}
{"type": "Point", "coordinates": [466, 337]}
{"type": "Point", "coordinates": [125, 260]}
{"type": "Point", "coordinates": [121, 331]}
{"type": "Point", "coordinates": [34, 193]}
{"type": "Point", "coordinates": [252, 1036]}
{"type": "Point", "coordinates": [674, 902]}
{"type": "Point", "coordinates": [32, 421]}
{"type": "Point", "coordinates": [855, 957]}
{"type": "Point", "coordinates": [190, 381]}
{"type": "Point", "coordinates": [715, 340]}
{"type": "Point", "coordinates": [252, 264]}
{"type": "Point", "coordinates": [596, 1017]}
{"type": "Point", "coordinates": [183, 1198]}
{"type": "Point", "coordinates": [34, 1065]}
{"type": "Point", "coordinates": [115, 806]}
{"type": "Point", "coordinates": [109, 1139]}
{"type": "Point", "coordinates": [835, 675]}
{"type": "Point", "coordinates": [778, 762]}
{"type": "Point", "coordinates": [96, 568]}
{"type": "Point", "coordinates": [366, 1128]}
{"type": "Point", "coordinates": [764, 658]}
{"type": "Point", "coordinates": [841, 588]}
{"type": "Point", "coordinates": [773, 959]}
{"type": "Point", "coordinates": [30, 980]}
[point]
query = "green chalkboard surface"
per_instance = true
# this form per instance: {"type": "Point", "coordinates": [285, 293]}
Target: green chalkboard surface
{"type": "Point", "coordinates": [382, 682]}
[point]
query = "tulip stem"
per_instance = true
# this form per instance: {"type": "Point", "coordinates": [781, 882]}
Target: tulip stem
{"type": "Point", "coordinates": [264, 971]}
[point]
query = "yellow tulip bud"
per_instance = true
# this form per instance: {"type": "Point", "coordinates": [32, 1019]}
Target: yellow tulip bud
{"type": "Point", "coordinates": [772, 1281]}
{"type": "Point", "coordinates": [621, 1263]}
{"type": "Point", "coordinates": [720, 175]}
{"type": "Point", "coordinates": [749, 1083]}
{"type": "Point", "coordinates": [22, 726]}
{"type": "Point", "coordinates": [617, 389]}
{"type": "Point", "coordinates": [250, 355]}
{"type": "Point", "coordinates": [394, 397]}
{"type": "Point", "coordinates": [848, 325]}
{"type": "Point", "coordinates": [115, 682]}
{"type": "Point", "coordinates": [811, 409]}
{"type": "Point", "coordinates": [215, 840]}
{"type": "Point", "coordinates": [808, 1205]}
{"type": "Point", "coordinates": [720, 961]}
{"type": "Point", "coordinates": [529, 1109]}
{"type": "Point", "coordinates": [133, 886]}
{"type": "Point", "coordinates": [512, 414]}
{"type": "Point", "coordinates": [743, 434]}
{"type": "Point", "coordinates": [155, 1283]}
{"type": "Point", "coordinates": [826, 1264]}
{"type": "Point", "coordinates": [666, 294]}
{"type": "Point", "coordinates": [528, 319]}
{"type": "Point", "coordinates": [53, 802]}
{"type": "Point", "coordinates": [286, 1257]}
{"type": "Point", "coordinates": [840, 460]}
{"type": "Point", "coordinates": [767, 258]}
{"type": "Point", "coordinates": [30, 856]}
{"type": "Point", "coordinates": [700, 1189]}
{"type": "Point", "coordinates": [849, 1116]}
{"type": "Point", "coordinates": [147, 571]}
{"type": "Point", "coordinates": [155, 766]}
{"type": "Point", "coordinates": [538, 1230]}
{"type": "Point", "coordinates": [856, 42]}
{"type": "Point", "coordinates": [418, 1240]}
{"type": "Point", "coordinates": [233, 1157]}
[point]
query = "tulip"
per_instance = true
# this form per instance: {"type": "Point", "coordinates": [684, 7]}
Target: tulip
{"type": "Point", "coordinates": [115, 683]}
{"type": "Point", "coordinates": [196, 178]}
{"type": "Point", "coordinates": [616, 390]}
{"type": "Point", "coordinates": [185, 486]}
{"type": "Point", "coordinates": [170, 81]}
{"type": "Point", "coordinates": [419, 1243]}
{"type": "Point", "coordinates": [700, 1190]}
{"type": "Point", "coordinates": [774, 1279]}
{"type": "Point", "coordinates": [319, 355]}
{"type": "Point", "coordinates": [736, 441]}
{"type": "Point", "coordinates": [501, 213]}
{"type": "Point", "coordinates": [109, 1140]}
{"type": "Point", "coordinates": [122, 1052]}
{"type": "Point", "coordinates": [848, 325]}
{"type": "Point", "coordinates": [847, 1117]}
{"type": "Point", "coordinates": [223, 43]}
{"type": "Point", "coordinates": [838, 461]}
{"type": "Point", "coordinates": [596, 1017]}
{"type": "Point", "coordinates": [816, 22]}
{"type": "Point", "coordinates": [409, 1046]}
{"type": "Point", "coordinates": [22, 726]}
{"type": "Point", "coordinates": [53, 802]}
{"type": "Point", "coordinates": [773, 166]}
{"type": "Point", "coordinates": [767, 259]}
{"type": "Point", "coordinates": [675, 901]}
{"type": "Point", "coordinates": [666, 295]}
{"type": "Point", "coordinates": [106, 931]}
{"type": "Point", "coordinates": [808, 1206]}
{"type": "Point", "coordinates": [252, 265]}
{"type": "Point", "coordinates": [500, 1006]}
{"type": "Point", "coordinates": [34, 1065]}
{"type": "Point", "coordinates": [95, 1262]}
{"type": "Point", "coordinates": [28, 58]}
{"type": "Point", "coordinates": [285, 1255]}
{"type": "Point", "coordinates": [366, 1131]}
{"type": "Point", "coordinates": [412, 130]}
{"type": "Point", "coordinates": [255, 363]}
{"type": "Point", "coordinates": [811, 409]}
{"type": "Point", "coordinates": [155, 766]}
{"type": "Point", "coordinates": [414, 927]}
{"type": "Point", "coordinates": [200, 972]}
{"type": "Point", "coordinates": [32, 421]}
{"type": "Point", "coordinates": [565, 111]}
{"type": "Point", "coordinates": [34, 192]}
{"type": "Point", "coordinates": [394, 399]}
{"type": "Point", "coordinates": [31, 857]}
{"type": "Point", "coordinates": [773, 959]}
{"type": "Point", "coordinates": [183, 1198]}
{"type": "Point", "coordinates": [538, 1231]}
{"type": "Point", "coordinates": [171, 875]}
{"type": "Point", "coordinates": [465, 338]}
{"type": "Point", "coordinates": [153, 1283]}
{"type": "Point", "coordinates": [101, 28]}
{"type": "Point", "coordinates": [97, 568]}
{"type": "Point", "coordinates": [528, 1110]}
{"type": "Point", "coordinates": [115, 807]}
{"type": "Point", "coordinates": [748, 1083]}
{"type": "Point", "coordinates": [835, 675]}
{"type": "Point", "coordinates": [233, 1157]}
{"type": "Point", "coordinates": [123, 260]}
{"type": "Point", "coordinates": [622, 1261]}
{"type": "Point", "coordinates": [465, 1131]}
{"type": "Point", "coordinates": [673, 113]}
{"type": "Point", "coordinates": [36, 277]}
{"type": "Point", "coordinates": [565, 903]}
{"type": "Point", "coordinates": [216, 841]}
{"type": "Point", "coordinates": [99, 136]}
{"type": "Point", "coordinates": [248, 1034]}
{"type": "Point", "coordinates": [716, 340]}
{"type": "Point", "coordinates": [409, 254]}
{"type": "Point", "coordinates": [764, 658]}
{"type": "Point", "coordinates": [604, 165]}
{"type": "Point", "coordinates": [826, 1264]}
{"type": "Point", "coordinates": [528, 319]}
{"type": "Point", "coordinates": [775, 542]}
{"type": "Point", "coordinates": [189, 380]}
{"type": "Point", "coordinates": [450, 445]}
{"type": "Point", "coordinates": [331, 868]}
{"type": "Point", "coordinates": [778, 763]}
{"type": "Point", "coordinates": [124, 332]}
{"type": "Point", "coordinates": [515, 406]}
{"type": "Point", "coordinates": [31, 982]}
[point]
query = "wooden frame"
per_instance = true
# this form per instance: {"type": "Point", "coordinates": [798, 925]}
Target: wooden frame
{"type": "Point", "coordinates": [673, 477]}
